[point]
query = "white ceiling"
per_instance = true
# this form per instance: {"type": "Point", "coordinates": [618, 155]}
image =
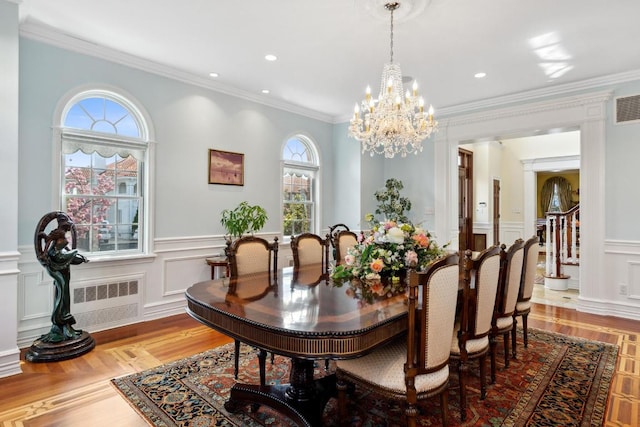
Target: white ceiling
{"type": "Point", "coordinates": [329, 50]}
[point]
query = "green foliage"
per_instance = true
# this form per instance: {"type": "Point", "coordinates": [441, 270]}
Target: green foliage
{"type": "Point", "coordinates": [296, 217]}
{"type": "Point", "coordinates": [390, 204]}
{"type": "Point", "coordinates": [245, 218]}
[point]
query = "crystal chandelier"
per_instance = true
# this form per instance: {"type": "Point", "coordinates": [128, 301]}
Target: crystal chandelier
{"type": "Point", "coordinates": [395, 123]}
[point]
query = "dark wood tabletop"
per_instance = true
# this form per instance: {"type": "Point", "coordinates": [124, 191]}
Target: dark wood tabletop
{"type": "Point", "coordinates": [296, 313]}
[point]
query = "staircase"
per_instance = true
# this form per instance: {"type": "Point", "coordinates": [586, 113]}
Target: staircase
{"type": "Point", "coordinates": [562, 249]}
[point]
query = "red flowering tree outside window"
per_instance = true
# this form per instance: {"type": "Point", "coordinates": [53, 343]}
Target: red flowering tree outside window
{"type": "Point", "coordinates": [88, 206]}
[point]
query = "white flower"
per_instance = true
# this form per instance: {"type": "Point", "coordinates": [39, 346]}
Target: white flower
{"type": "Point", "coordinates": [349, 259]}
{"type": "Point", "coordinates": [395, 235]}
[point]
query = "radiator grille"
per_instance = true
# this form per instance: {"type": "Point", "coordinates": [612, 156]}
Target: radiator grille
{"type": "Point", "coordinates": [628, 109]}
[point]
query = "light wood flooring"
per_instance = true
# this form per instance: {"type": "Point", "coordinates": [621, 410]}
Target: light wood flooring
{"type": "Point", "coordinates": [77, 392]}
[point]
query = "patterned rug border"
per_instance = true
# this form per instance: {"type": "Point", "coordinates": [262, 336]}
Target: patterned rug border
{"type": "Point", "coordinates": [595, 406]}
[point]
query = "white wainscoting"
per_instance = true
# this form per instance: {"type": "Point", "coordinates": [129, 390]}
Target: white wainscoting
{"type": "Point", "coordinates": [510, 231]}
{"type": "Point", "coordinates": [620, 294]}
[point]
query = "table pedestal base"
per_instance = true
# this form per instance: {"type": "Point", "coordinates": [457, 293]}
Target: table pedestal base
{"type": "Point", "coordinates": [303, 400]}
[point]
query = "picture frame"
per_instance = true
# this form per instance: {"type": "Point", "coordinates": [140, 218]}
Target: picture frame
{"type": "Point", "coordinates": [226, 167]}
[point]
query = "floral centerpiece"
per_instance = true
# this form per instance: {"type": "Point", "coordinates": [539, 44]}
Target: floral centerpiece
{"type": "Point", "coordinates": [377, 265]}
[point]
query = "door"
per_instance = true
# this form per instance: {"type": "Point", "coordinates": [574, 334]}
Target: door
{"type": "Point", "coordinates": [465, 199]}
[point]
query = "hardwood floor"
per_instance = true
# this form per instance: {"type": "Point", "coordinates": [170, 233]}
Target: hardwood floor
{"type": "Point", "coordinates": [77, 392]}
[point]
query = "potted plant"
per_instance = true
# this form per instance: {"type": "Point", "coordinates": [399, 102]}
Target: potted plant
{"type": "Point", "coordinates": [244, 218]}
{"type": "Point", "coordinates": [391, 204]}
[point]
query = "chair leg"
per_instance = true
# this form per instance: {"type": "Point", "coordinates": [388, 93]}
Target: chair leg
{"type": "Point", "coordinates": [513, 337]}
{"type": "Point", "coordinates": [483, 377]}
{"type": "Point", "coordinates": [411, 413]}
{"type": "Point", "coordinates": [262, 362]}
{"type": "Point", "coordinates": [444, 405]}
{"type": "Point", "coordinates": [462, 376]}
{"type": "Point", "coordinates": [236, 358]}
{"type": "Point", "coordinates": [326, 364]}
{"type": "Point", "coordinates": [506, 349]}
{"type": "Point", "coordinates": [524, 329]}
{"type": "Point", "coordinates": [493, 351]}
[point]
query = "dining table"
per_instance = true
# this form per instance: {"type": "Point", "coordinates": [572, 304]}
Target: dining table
{"type": "Point", "coordinates": [301, 314]}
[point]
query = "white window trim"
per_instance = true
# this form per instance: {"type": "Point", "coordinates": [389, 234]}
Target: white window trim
{"type": "Point", "coordinates": [315, 168]}
{"type": "Point", "coordinates": [147, 135]}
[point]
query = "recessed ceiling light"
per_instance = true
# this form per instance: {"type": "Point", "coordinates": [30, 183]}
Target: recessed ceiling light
{"type": "Point", "coordinates": [214, 75]}
{"type": "Point", "coordinates": [265, 91]}
{"type": "Point", "coordinates": [270, 57]}
{"type": "Point", "coordinates": [480, 75]}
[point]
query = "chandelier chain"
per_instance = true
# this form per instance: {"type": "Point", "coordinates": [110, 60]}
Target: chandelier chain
{"type": "Point", "coordinates": [391, 42]}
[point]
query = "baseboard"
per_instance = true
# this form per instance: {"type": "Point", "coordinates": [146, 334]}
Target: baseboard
{"type": "Point", "coordinates": [10, 363]}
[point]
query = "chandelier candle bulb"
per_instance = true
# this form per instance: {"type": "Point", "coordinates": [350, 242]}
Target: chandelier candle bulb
{"type": "Point", "coordinates": [356, 112]}
{"type": "Point", "coordinates": [415, 88]}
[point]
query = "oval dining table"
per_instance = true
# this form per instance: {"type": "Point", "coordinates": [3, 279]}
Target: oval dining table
{"type": "Point", "coordinates": [301, 315]}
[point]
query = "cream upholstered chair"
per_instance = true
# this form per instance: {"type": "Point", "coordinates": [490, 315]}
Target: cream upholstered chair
{"type": "Point", "coordinates": [471, 335]}
{"type": "Point", "coordinates": [414, 367]}
{"type": "Point", "coordinates": [252, 255]}
{"type": "Point", "coordinates": [309, 248]}
{"type": "Point", "coordinates": [344, 240]}
{"type": "Point", "coordinates": [506, 299]}
{"type": "Point", "coordinates": [333, 234]}
{"type": "Point", "coordinates": [523, 306]}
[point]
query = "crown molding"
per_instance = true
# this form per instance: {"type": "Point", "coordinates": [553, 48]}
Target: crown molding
{"type": "Point", "coordinates": [56, 38]}
{"type": "Point", "coordinates": [53, 37]}
{"type": "Point", "coordinates": [598, 97]}
{"type": "Point", "coordinates": [537, 94]}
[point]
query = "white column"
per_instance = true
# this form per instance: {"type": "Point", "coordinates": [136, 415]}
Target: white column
{"type": "Point", "coordinates": [9, 255]}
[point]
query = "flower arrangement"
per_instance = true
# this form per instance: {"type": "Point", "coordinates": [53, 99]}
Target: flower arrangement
{"type": "Point", "coordinates": [376, 266]}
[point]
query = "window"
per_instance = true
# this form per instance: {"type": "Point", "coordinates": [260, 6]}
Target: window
{"type": "Point", "coordinates": [299, 192]}
{"type": "Point", "coordinates": [103, 142]}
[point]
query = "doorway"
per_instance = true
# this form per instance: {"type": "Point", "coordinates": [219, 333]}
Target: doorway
{"type": "Point", "coordinates": [465, 200]}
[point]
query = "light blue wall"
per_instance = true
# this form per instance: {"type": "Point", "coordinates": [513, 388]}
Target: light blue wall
{"type": "Point", "coordinates": [622, 192]}
{"type": "Point", "coordinates": [346, 189]}
{"type": "Point", "coordinates": [188, 121]}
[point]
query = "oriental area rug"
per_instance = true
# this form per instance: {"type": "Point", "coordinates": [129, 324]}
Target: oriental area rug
{"type": "Point", "coordinates": [557, 381]}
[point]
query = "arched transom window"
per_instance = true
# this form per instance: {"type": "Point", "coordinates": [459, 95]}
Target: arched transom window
{"type": "Point", "coordinates": [299, 186]}
{"type": "Point", "coordinates": [104, 149]}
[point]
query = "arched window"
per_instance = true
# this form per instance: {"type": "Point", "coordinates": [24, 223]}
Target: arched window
{"type": "Point", "coordinates": [104, 144]}
{"type": "Point", "coordinates": [299, 186]}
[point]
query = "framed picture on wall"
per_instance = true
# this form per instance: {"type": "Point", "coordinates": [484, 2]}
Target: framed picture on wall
{"type": "Point", "coordinates": [226, 168]}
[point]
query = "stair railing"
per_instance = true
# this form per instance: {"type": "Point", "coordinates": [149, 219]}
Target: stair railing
{"type": "Point", "coordinates": [562, 240]}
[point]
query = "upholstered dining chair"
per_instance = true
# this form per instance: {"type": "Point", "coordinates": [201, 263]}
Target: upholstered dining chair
{"type": "Point", "coordinates": [333, 232]}
{"type": "Point", "coordinates": [470, 340]}
{"type": "Point", "coordinates": [250, 255]}
{"type": "Point", "coordinates": [414, 367]}
{"type": "Point", "coordinates": [309, 248]}
{"type": "Point", "coordinates": [506, 299]}
{"type": "Point", "coordinates": [343, 240]}
{"type": "Point", "coordinates": [523, 306]}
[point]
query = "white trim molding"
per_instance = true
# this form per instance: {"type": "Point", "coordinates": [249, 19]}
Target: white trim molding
{"type": "Point", "coordinates": [586, 112]}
